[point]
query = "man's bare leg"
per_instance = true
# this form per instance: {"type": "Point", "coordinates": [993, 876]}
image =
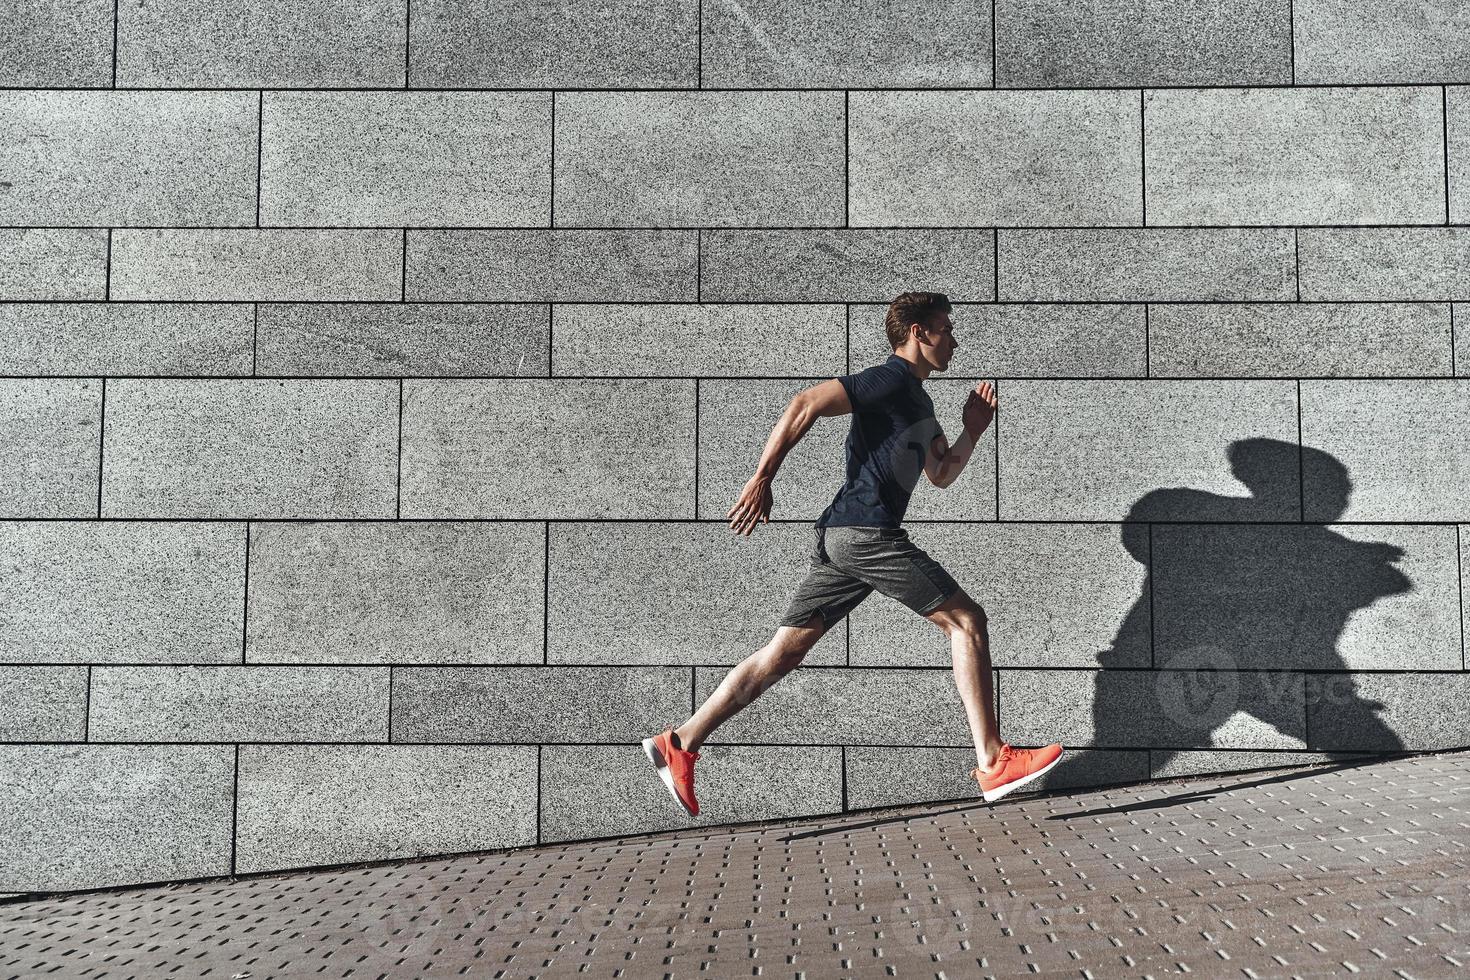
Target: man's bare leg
{"type": "Point", "coordinates": [965, 623]}
{"type": "Point", "coordinates": [750, 678]}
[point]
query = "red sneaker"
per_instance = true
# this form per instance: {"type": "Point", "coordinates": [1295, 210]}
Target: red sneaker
{"type": "Point", "coordinates": [675, 767]}
{"type": "Point", "coordinates": [1014, 768]}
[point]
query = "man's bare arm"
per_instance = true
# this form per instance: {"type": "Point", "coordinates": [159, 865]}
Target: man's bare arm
{"type": "Point", "coordinates": [820, 401]}
{"type": "Point", "coordinates": [944, 463]}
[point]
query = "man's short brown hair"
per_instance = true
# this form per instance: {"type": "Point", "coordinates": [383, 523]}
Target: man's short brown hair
{"type": "Point", "coordinates": [910, 308]}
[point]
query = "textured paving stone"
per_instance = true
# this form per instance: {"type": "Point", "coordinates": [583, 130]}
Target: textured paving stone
{"type": "Point", "coordinates": [1361, 340]}
{"type": "Point", "coordinates": [1306, 156]}
{"type": "Point", "coordinates": [128, 158]}
{"type": "Point", "coordinates": [1133, 265]}
{"type": "Point", "coordinates": [272, 43]}
{"type": "Point", "coordinates": [699, 158]}
{"type": "Point", "coordinates": [529, 704]}
{"type": "Point", "coordinates": [1017, 340]}
{"type": "Point", "coordinates": [1385, 263]}
{"type": "Point", "coordinates": [354, 159]}
{"type": "Point", "coordinates": [121, 592]}
{"type": "Point", "coordinates": [403, 339]}
{"type": "Point", "coordinates": [557, 44]}
{"type": "Point", "coordinates": [836, 44]}
{"type": "Point", "coordinates": [844, 264]}
{"type": "Point", "coordinates": [53, 263]}
{"type": "Point", "coordinates": [1054, 596]}
{"type": "Point", "coordinates": [90, 816]}
{"type": "Point", "coordinates": [126, 338]}
{"type": "Point", "coordinates": [50, 429]}
{"type": "Point", "coordinates": [43, 704]}
{"type": "Point", "coordinates": [328, 804]}
{"type": "Point", "coordinates": [267, 264]}
{"type": "Point", "coordinates": [388, 592]}
{"type": "Point", "coordinates": [1057, 43]}
{"type": "Point", "coordinates": [1013, 176]}
{"type": "Point", "coordinates": [250, 448]}
{"type": "Point", "coordinates": [57, 43]}
{"type": "Point", "coordinates": [1390, 450]}
{"type": "Point", "coordinates": [238, 704]}
{"type": "Point", "coordinates": [1313, 597]}
{"type": "Point", "coordinates": [536, 448]}
{"type": "Point", "coordinates": [674, 592]}
{"type": "Point", "coordinates": [1065, 454]}
{"type": "Point", "coordinates": [1411, 41]}
{"type": "Point", "coordinates": [553, 265]}
{"type": "Point", "coordinates": [1235, 875]}
{"type": "Point", "coordinates": [689, 340]}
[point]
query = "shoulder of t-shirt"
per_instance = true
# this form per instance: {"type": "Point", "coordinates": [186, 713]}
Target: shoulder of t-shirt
{"type": "Point", "coordinates": [870, 384]}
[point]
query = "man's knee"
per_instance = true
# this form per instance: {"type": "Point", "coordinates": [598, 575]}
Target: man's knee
{"type": "Point", "coordinates": [792, 643]}
{"type": "Point", "coordinates": [959, 613]}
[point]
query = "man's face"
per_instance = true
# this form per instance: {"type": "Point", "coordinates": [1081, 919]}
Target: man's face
{"type": "Point", "coordinates": [938, 341]}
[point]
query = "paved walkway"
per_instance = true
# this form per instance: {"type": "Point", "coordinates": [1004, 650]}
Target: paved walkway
{"type": "Point", "coordinates": [1350, 867]}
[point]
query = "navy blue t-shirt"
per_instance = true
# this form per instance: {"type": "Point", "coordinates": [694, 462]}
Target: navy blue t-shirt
{"type": "Point", "coordinates": [893, 424]}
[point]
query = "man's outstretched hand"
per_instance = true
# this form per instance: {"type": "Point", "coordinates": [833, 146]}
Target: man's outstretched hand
{"type": "Point", "coordinates": [980, 408]}
{"type": "Point", "coordinates": [753, 506]}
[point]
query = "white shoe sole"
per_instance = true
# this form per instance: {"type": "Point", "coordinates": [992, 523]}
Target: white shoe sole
{"type": "Point", "coordinates": [991, 795]}
{"type": "Point", "coordinates": [661, 765]}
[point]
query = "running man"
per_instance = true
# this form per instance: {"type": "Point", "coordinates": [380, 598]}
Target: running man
{"type": "Point", "coordinates": [860, 545]}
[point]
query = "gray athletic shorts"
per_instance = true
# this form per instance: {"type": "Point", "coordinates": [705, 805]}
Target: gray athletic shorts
{"type": "Point", "coordinates": [850, 562]}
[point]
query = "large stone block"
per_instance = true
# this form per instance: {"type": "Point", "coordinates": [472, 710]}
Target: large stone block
{"type": "Point", "coordinates": [405, 158]}
{"type": "Point", "coordinates": [53, 263]}
{"type": "Point", "coordinates": [1388, 712]}
{"type": "Point", "coordinates": [543, 448]}
{"type": "Point", "coordinates": [1342, 597]}
{"type": "Point", "coordinates": [43, 703]}
{"type": "Point", "coordinates": [1020, 339]}
{"type": "Point", "coordinates": [239, 704]}
{"type": "Point", "coordinates": [736, 420]}
{"type": "Point", "coordinates": [303, 805]}
{"type": "Point", "coordinates": [529, 704]}
{"type": "Point", "coordinates": [121, 592]}
{"type": "Point", "coordinates": [699, 158]}
{"type": "Point", "coordinates": [1253, 339]}
{"type": "Point", "coordinates": [671, 592]}
{"type": "Point", "coordinates": [556, 44]}
{"type": "Point", "coordinates": [1063, 595]}
{"type": "Point", "coordinates": [837, 44]}
{"type": "Point", "coordinates": [890, 776]}
{"type": "Point", "coordinates": [553, 265]}
{"type": "Point", "coordinates": [250, 448]}
{"type": "Point", "coordinates": [402, 339]}
{"type": "Point", "coordinates": [1211, 706]}
{"type": "Point", "coordinates": [698, 339]}
{"type": "Point", "coordinates": [93, 816]}
{"type": "Point", "coordinates": [607, 790]}
{"type": "Point", "coordinates": [1346, 42]}
{"type": "Point", "coordinates": [126, 338]}
{"type": "Point", "coordinates": [128, 158]}
{"type": "Point", "coordinates": [1170, 764]}
{"type": "Point", "coordinates": [994, 158]}
{"type": "Point", "coordinates": [850, 706]}
{"type": "Point", "coordinates": [1058, 43]}
{"type": "Point", "coordinates": [844, 264]}
{"type": "Point", "coordinates": [57, 44]}
{"type": "Point", "coordinates": [1141, 264]}
{"type": "Point", "coordinates": [268, 264]}
{"type": "Point", "coordinates": [50, 429]}
{"type": "Point", "coordinates": [1094, 450]}
{"type": "Point", "coordinates": [1258, 156]}
{"type": "Point", "coordinates": [1390, 450]}
{"type": "Point", "coordinates": [1385, 263]}
{"type": "Point", "coordinates": [387, 592]}
{"type": "Point", "coordinates": [269, 44]}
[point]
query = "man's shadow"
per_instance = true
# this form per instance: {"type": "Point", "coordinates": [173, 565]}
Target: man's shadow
{"type": "Point", "coordinates": [1235, 612]}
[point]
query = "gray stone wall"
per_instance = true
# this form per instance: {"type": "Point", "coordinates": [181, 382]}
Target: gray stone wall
{"type": "Point", "coordinates": [375, 379]}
